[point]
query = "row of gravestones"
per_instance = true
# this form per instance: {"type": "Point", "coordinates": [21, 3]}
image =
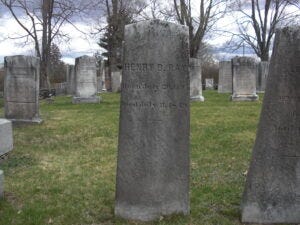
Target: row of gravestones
{"type": "Point", "coordinates": [153, 151]}
{"type": "Point", "coordinates": [100, 74]}
{"type": "Point", "coordinates": [242, 75]}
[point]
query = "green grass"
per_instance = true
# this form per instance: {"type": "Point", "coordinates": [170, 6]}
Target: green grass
{"type": "Point", "coordinates": [62, 172]}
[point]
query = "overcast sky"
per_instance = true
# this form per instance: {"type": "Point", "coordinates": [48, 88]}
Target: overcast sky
{"type": "Point", "coordinates": [82, 44]}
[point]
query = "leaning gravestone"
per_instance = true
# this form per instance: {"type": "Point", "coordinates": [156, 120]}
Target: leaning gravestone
{"type": "Point", "coordinates": [153, 155]}
{"type": "Point", "coordinates": [195, 80]}
{"type": "Point", "coordinates": [209, 83]}
{"type": "Point", "coordinates": [262, 73]}
{"type": "Point", "coordinates": [6, 136]}
{"type": "Point", "coordinates": [272, 192]}
{"type": "Point", "coordinates": [21, 89]}
{"type": "Point", "coordinates": [116, 77]}
{"type": "Point", "coordinates": [86, 80]}
{"type": "Point", "coordinates": [244, 71]}
{"type": "Point", "coordinates": [225, 77]}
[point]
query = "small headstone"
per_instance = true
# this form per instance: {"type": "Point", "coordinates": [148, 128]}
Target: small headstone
{"type": "Point", "coordinates": [244, 70]}
{"type": "Point", "coordinates": [1, 184]}
{"type": "Point", "coordinates": [71, 82]}
{"type": "Point", "coordinates": [21, 89]}
{"type": "Point", "coordinates": [225, 77]}
{"type": "Point", "coordinates": [195, 80]}
{"type": "Point", "coordinates": [6, 136]}
{"type": "Point", "coordinates": [116, 77]}
{"type": "Point", "coordinates": [209, 84]}
{"type": "Point", "coordinates": [262, 73]}
{"type": "Point", "coordinates": [272, 192]}
{"type": "Point", "coordinates": [86, 80]}
{"type": "Point", "coordinates": [153, 155]}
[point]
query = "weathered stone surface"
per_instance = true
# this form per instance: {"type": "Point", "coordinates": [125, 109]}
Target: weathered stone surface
{"type": "Point", "coordinates": [153, 156]}
{"type": "Point", "coordinates": [262, 74]}
{"type": "Point", "coordinates": [195, 80]}
{"type": "Point", "coordinates": [209, 83]}
{"type": "Point", "coordinates": [1, 184]}
{"type": "Point", "coordinates": [6, 136]}
{"type": "Point", "coordinates": [225, 77]}
{"type": "Point", "coordinates": [86, 80]}
{"type": "Point", "coordinates": [244, 71]}
{"type": "Point", "coordinates": [272, 192]}
{"type": "Point", "coordinates": [21, 89]}
{"type": "Point", "coordinates": [71, 80]}
{"type": "Point", "coordinates": [116, 77]}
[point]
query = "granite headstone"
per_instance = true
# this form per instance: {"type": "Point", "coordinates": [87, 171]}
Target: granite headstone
{"type": "Point", "coordinates": [71, 80]}
{"type": "Point", "coordinates": [6, 136]}
{"type": "Point", "coordinates": [272, 192]}
{"type": "Point", "coordinates": [262, 73]}
{"type": "Point", "coordinates": [153, 154]}
{"type": "Point", "coordinates": [116, 77]}
{"type": "Point", "coordinates": [209, 83]}
{"type": "Point", "coordinates": [244, 70]}
{"type": "Point", "coordinates": [1, 184]}
{"type": "Point", "coordinates": [86, 80]}
{"type": "Point", "coordinates": [195, 80]}
{"type": "Point", "coordinates": [21, 89]}
{"type": "Point", "coordinates": [225, 77]}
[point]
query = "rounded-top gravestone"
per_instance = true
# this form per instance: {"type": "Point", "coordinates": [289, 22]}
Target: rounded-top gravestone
{"type": "Point", "coordinates": [153, 154]}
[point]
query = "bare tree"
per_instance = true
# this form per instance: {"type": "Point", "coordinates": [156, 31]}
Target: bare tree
{"type": "Point", "coordinates": [210, 11]}
{"type": "Point", "coordinates": [258, 21]}
{"type": "Point", "coordinates": [42, 22]}
{"type": "Point", "coordinates": [118, 14]}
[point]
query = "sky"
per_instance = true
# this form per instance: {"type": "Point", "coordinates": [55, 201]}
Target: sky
{"type": "Point", "coordinates": [82, 44]}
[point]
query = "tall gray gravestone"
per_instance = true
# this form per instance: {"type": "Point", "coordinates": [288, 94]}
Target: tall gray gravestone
{"type": "Point", "coordinates": [195, 80]}
{"type": "Point", "coordinates": [6, 136]}
{"type": "Point", "coordinates": [86, 80]}
{"type": "Point", "coordinates": [21, 89]}
{"type": "Point", "coordinates": [116, 77]}
{"type": "Point", "coordinates": [272, 191]}
{"type": "Point", "coordinates": [244, 70]}
{"type": "Point", "coordinates": [153, 155]}
{"type": "Point", "coordinates": [262, 73]}
{"type": "Point", "coordinates": [225, 77]}
{"type": "Point", "coordinates": [71, 82]}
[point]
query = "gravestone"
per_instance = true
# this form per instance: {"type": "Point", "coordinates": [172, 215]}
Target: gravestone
{"type": "Point", "coordinates": [209, 84]}
{"type": "Point", "coordinates": [116, 77]}
{"type": "Point", "coordinates": [1, 184]}
{"type": "Point", "coordinates": [244, 71]}
{"type": "Point", "coordinates": [86, 80]}
{"type": "Point", "coordinates": [153, 154]}
{"type": "Point", "coordinates": [262, 73]}
{"type": "Point", "coordinates": [272, 192]}
{"type": "Point", "coordinates": [99, 84]}
{"type": "Point", "coordinates": [71, 82]}
{"type": "Point", "coordinates": [21, 89]}
{"type": "Point", "coordinates": [100, 77]}
{"type": "Point", "coordinates": [6, 136]}
{"type": "Point", "coordinates": [195, 80]}
{"type": "Point", "coordinates": [225, 77]}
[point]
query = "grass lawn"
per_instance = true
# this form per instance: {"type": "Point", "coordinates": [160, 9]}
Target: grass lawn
{"type": "Point", "coordinates": [62, 172]}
